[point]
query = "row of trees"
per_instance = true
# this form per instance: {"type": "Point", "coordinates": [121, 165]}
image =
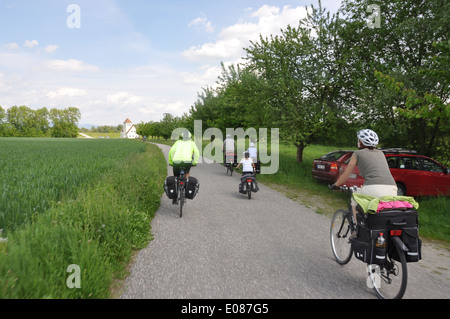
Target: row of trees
{"type": "Point", "coordinates": [321, 81]}
{"type": "Point", "coordinates": [21, 121]}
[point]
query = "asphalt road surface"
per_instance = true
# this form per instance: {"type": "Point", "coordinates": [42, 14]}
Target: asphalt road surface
{"type": "Point", "coordinates": [270, 247]}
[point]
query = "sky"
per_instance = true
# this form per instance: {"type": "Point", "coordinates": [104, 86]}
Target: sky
{"type": "Point", "coordinates": [136, 59]}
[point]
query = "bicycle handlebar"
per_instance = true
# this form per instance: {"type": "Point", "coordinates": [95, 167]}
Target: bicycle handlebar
{"type": "Point", "coordinates": [343, 188]}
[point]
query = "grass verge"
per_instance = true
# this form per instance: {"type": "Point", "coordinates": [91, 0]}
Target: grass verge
{"type": "Point", "coordinates": [98, 232]}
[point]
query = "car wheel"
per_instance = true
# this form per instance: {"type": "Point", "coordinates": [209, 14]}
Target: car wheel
{"type": "Point", "coordinates": [401, 189]}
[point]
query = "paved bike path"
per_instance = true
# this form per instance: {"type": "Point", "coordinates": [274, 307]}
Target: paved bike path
{"type": "Point", "coordinates": [227, 246]}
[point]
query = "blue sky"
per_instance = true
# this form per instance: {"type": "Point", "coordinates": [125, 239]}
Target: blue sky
{"type": "Point", "coordinates": [135, 58]}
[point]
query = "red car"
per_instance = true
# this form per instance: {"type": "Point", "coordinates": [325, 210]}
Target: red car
{"type": "Point", "coordinates": [326, 168]}
{"type": "Point", "coordinates": [415, 175]}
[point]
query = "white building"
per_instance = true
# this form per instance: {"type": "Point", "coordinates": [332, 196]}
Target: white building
{"type": "Point", "coordinates": [128, 130]}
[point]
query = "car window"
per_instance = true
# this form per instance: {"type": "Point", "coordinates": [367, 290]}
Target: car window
{"type": "Point", "coordinates": [408, 163]}
{"type": "Point", "coordinates": [432, 166]}
{"type": "Point", "coordinates": [332, 156]}
{"type": "Point", "coordinates": [392, 162]}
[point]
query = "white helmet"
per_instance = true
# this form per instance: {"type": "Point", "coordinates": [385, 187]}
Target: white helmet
{"type": "Point", "coordinates": [252, 144]}
{"type": "Point", "coordinates": [186, 135]}
{"type": "Point", "coordinates": [368, 137]}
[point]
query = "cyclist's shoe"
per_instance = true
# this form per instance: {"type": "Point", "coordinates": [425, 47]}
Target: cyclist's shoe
{"type": "Point", "coordinates": [353, 235]}
{"type": "Point", "coordinates": [174, 201]}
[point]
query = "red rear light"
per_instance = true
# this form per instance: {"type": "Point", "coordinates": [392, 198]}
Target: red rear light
{"type": "Point", "coordinates": [333, 167]}
{"type": "Point", "coordinates": [249, 180]}
{"type": "Point", "coordinates": [181, 183]}
{"type": "Point", "coordinates": [396, 232]}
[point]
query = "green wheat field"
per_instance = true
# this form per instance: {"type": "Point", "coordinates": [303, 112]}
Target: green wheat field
{"type": "Point", "coordinates": [83, 202]}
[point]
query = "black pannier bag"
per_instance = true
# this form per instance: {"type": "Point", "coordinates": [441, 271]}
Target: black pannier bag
{"type": "Point", "coordinates": [365, 248]}
{"type": "Point", "coordinates": [410, 237]}
{"type": "Point", "coordinates": [361, 244]}
{"type": "Point", "coordinates": [244, 185]}
{"type": "Point", "coordinates": [255, 187]}
{"type": "Point", "coordinates": [170, 187]}
{"type": "Point", "coordinates": [393, 219]}
{"type": "Point", "coordinates": [406, 221]}
{"type": "Point", "coordinates": [192, 186]}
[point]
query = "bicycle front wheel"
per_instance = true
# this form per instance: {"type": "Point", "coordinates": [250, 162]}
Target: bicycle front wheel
{"type": "Point", "coordinates": [339, 233]}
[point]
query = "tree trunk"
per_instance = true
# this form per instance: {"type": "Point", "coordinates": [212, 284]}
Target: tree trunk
{"type": "Point", "coordinates": [300, 148]}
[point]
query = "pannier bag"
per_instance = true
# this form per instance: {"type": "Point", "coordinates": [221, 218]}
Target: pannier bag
{"type": "Point", "coordinates": [255, 187]}
{"type": "Point", "coordinates": [192, 187]}
{"type": "Point", "coordinates": [243, 186]}
{"type": "Point", "coordinates": [393, 219]}
{"type": "Point", "coordinates": [410, 237]}
{"type": "Point", "coordinates": [229, 158]}
{"type": "Point", "coordinates": [364, 246]}
{"type": "Point", "coordinates": [170, 187]}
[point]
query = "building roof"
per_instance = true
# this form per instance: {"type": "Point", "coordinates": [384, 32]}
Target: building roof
{"type": "Point", "coordinates": [127, 121]}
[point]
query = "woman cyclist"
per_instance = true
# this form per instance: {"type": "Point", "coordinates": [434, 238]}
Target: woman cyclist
{"type": "Point", "coordinates": [373, 167]}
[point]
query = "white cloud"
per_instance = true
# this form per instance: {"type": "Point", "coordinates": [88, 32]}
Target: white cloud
{"type": "Point", "coordinates": [202, 22]}
{"type": "Point", "coordinates": [69, 65]}
{"type": "Point", "coordinates": [31, 44]}
{"type": "Point", "coordinates": [231, 40]}
{"type": "Point", "coordinates": [51, 48]}
{"type": "Point", "coordinates": [12, 46]}
{"type": "Point", "coordinates": [124, 98]}
{"type": "Point", "coordinates": [66, 92]}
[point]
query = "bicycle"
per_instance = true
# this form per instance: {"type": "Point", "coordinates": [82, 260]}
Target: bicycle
{"type": "Point", "coordinates": [229, 163]}
{"type": "Point", "coordinates": [386, 277]}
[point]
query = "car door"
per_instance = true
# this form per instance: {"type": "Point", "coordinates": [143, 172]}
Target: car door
{"type": "Point", "coordinates": [434, 178]}
{"type": "Point", "coordinates": [408, 172]}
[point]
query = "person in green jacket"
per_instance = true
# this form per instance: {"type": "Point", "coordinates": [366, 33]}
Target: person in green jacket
{"type": "Point", "coordinates": [183, 154]}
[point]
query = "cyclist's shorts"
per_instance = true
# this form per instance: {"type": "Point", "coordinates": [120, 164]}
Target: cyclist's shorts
{"type": "Point", "coordinates": [178, 166]}
{"type": "Point", "coordinates": [377, 190]}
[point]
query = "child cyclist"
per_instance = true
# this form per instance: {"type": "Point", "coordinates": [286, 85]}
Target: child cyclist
{"type": "Point", "coordinates": [247, 164]}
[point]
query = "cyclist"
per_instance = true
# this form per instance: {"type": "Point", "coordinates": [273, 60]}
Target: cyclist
{"type": "Point", "coordinates": [184, 153]}
{"type": "Point", "coordinates": [228, 147]}
{"type": "Point", "coordinates": [247, 164]}
{"type": "Point", "coordinates": [253, 152]}
{"type": "Point", "coordinates": [373, 167]}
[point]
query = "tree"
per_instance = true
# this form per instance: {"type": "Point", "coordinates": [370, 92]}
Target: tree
{"type": "Point", "coordinates": [302, 68]}
{"type": "Point", "coordinates": [401, 49]}
{"type": "Point", "coordinates": [64, 122]}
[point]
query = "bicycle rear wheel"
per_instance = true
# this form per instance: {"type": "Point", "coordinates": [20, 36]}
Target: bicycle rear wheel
{"type": "Point", "coordinates": [181, 198]}
{"type": "Point", "coordinates": [339, 232]}
{"type": "Point", "coordinates": [389, 281]}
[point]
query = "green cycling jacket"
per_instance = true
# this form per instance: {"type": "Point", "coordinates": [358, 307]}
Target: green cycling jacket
{"type": "Point", "coordinates": [182, 151]}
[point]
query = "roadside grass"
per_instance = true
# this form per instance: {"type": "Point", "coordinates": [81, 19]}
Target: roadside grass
{"type": "Point", "coordinates": [98, 231]}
